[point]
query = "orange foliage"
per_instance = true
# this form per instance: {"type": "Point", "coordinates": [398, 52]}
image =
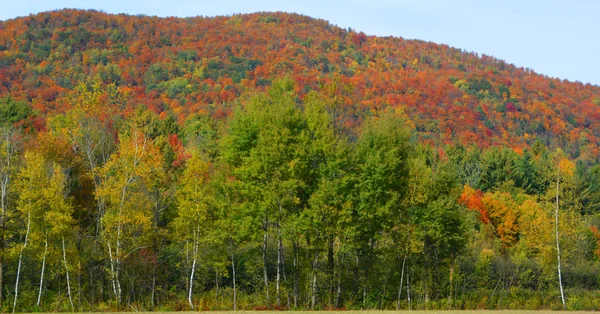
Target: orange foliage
{"type": "Point", "coordinates": [471, 198]}
{"type": "Point", "coordinates": [501, 208]}
{"type": "Point", "coordinates": [172, 64]}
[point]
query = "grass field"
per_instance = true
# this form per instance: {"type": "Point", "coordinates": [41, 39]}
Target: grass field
{"type": "Point", "coordinates": [383, 312]}
{"type": "Point", "coordinates": [399, 312]}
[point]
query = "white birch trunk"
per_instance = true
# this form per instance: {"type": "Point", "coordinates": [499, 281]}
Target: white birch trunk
{"type": "Point", "coordinates": [408, 290]}
{"type": "Point", "coordinates": [194, 258]}
{"type": "Point", "coordinates": [118, 244]}
{"type": "Point", "coordinates": [67, 273]}
{"type": "Point", "coordinates": [562, 293]}
{"type": "Point", "coordinates": [190, 291]}
{"type": "Point", "coordinates": [278, 280]}
{"type": "Point", "coordinates": [39, 298]}
{"type": "Point", "coordinates": [21, 262]}
{"type": "Point", "coordinates": [112, 270]}
{"type": "Point", "coordinates": [5, 173]}
{"type": "Point", "coordinates": [401, 281]}
{"type": "Point", "coordinates": [339, 282]}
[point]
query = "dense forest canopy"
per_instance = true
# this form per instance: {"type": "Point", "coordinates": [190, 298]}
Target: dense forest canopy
{"type": "Point", "coordinates": [272, 160]}
{"type": "Point", "coordinates": [185, 65]}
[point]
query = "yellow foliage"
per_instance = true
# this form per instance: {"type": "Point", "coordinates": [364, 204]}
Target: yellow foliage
{"type": "Point", "coordinates": [566, 166]}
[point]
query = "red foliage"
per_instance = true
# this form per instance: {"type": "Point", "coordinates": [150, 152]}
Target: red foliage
{"type": "Point", "coordinates": [172, 64]}
{"type": "Point", "coordinates": [472, 199]}
{"type": "Point", "coordinates": [180, 154]}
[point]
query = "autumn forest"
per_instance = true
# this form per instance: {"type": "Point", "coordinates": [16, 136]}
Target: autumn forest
{"type": "Point", "coordinates": [276, 161]}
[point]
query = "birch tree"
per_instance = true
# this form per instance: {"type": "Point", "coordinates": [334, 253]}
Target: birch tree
{"type": "Point", "coordinates": [563, 169]}
{"type": "Point", "coordinates": [59, 215]}
{"type": "Point", "coordinates": [195, 211]}
{"type": "Point", "coordinates": [8, 152]}
{"type": "Point", "coordinates": [31, 183]}
{"type": "Point", "coordinates": [88, 126]}
{"type": "Point", "coordinates": [128, 218]}
{"type": "Point", "coordinates": [12, 117]}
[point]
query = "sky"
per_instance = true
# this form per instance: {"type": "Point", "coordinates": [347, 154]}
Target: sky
{"type": "Point", "coordinates": [554, 38]}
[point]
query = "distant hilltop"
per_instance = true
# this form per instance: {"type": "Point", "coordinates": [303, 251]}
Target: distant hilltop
{"type": "Point", "coordinates": [187, 65]}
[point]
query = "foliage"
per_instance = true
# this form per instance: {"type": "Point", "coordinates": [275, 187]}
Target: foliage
{"type": "Point", "coordinates": [274, 161]}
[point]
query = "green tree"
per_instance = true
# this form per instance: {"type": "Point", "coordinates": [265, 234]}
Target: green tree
{"type": "Point", "coordinates": [381, 182]}
{"type": "Point", "coordinates": [266, 149]}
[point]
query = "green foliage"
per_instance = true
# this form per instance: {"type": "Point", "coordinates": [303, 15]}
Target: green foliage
{"type": "Point", "coordinates": [13, 112]}
{"type": "Point", "coordinates": [298, 202]}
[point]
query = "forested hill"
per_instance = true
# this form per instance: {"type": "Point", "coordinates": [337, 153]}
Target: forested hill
{"type": "Point", "coordinates": [190, 65]}
{"type": "Point", "coordinates": [274, 161]}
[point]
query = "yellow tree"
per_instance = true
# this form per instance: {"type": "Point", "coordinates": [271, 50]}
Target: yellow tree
{"type": "Point", "coordinates": [8, 152]}
{"type": "Point", "coordinates": [125, 224]}
{"type": "Point", "coordinates": [12, 115]}
{"type": "Point", "coordinates": [564, 169]}
{"type": "Point", "coordinates": [59, 218]}
{"type": "Point", "coordinates": [194, 202]}
{"type": "Point", "coordinates": [88, 127]}
{"type": "Point", "coordinates": [535, 231]}
{"type": "Point", "coordinates": [31, 182]}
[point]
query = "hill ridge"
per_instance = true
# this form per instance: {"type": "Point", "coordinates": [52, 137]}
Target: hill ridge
{"type": "Point", "coordinates": [183, 65]}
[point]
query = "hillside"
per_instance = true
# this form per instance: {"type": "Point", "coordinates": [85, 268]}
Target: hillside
{"type": "Point", "coordinates": [274, 161]}
{"type": "Point", "coordinates": [187, 65]}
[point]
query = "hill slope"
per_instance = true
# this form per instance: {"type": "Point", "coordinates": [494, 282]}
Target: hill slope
{"type": "Point", "coordinates": [184, 65]}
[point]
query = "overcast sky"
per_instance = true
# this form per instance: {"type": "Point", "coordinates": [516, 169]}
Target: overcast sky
{"type": "Point", "coordinates": [556, 38]}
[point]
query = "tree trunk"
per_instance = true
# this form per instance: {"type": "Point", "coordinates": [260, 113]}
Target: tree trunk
{"type": "Point", "coordinates": [67, 274]}
{"type": "Point", "coordinates": [153, 296]}
{"type": "Point", "coordinates": [401, 281]}
{"type": "Point", "coordinates": [278, 278]}
{"type": "Point", "coordinates": [118, 246]}
{"type": "Point", "coordinates": [4, 184]}
{"type": "Point", "coordinates": [39, 299]}
{"type": "Point", "coordinates": [339, 282]}
{"type": "Point", "coordinates": [21, 262]}
{"type": "Point", "coordinates": [264, 249]}
{"type": "Point", "coordinates": [233, 273]}
{"type": "Point", "coordinates": [2, 241]}
{"type": "Point", "coordinates": [79, 292]}
{"type": "Point", "coordinates": [562, 293]}
{"type": "Point", "coordinates": [2, 244]}
{"type": "Point", "coordinates": [217, 286]}
{"type": "Point", "coordinates": [59, 294]}
{"type": "Point", "coordinates": [155, 247]}
{"type": "Point", "coordinates": [330, 270]}
{"type": "Point", "coordinates": [296, 270]}
{"type": "Point", "coordinates": [190, 291]}
{"type": "Point", "coordinates": [187, 265]}
{"type": "Point", "coordinates": [313, 297]}
{"type": "Point", "coordinates": [452, 258]}
{"type": "Point", "coordinates": [194, 257]}
{"type": "Point", "coordinates": [408, 290]}
{"type": "Point", "coordinates": [368, 260]}
{"type": "Point", "coordinates": [283, 270]}
{"type": "Point", "coordinates": [113, 277]}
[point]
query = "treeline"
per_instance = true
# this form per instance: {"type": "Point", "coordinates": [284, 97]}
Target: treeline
{"type": "Point", "coordinates": [282, 206]}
